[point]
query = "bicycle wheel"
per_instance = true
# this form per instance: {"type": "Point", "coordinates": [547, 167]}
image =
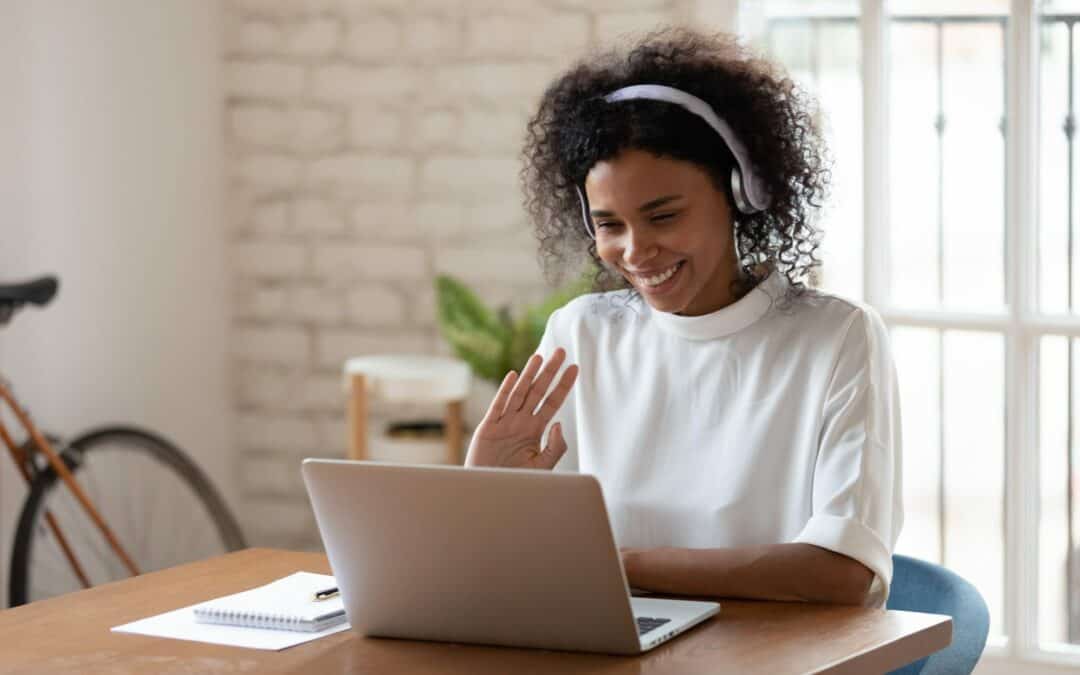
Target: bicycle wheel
{"type": "Point", "coordinates": [159, 504]}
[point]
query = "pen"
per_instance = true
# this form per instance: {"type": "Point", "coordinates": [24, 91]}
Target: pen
{"type": "Point", "coordinates": [326, 593]}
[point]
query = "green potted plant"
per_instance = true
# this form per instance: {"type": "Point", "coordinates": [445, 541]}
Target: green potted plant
{"type": "Point", "coordinates": [493, 342]}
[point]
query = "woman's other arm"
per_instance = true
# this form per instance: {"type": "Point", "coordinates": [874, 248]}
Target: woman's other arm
{"type": "Point", "coordinates": [787, 572]}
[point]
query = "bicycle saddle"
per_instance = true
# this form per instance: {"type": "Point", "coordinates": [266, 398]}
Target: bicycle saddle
{"type": "Point", "coordinates": [37, 292]}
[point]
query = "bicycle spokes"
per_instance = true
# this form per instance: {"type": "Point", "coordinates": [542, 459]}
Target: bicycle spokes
{"type": "Point", "coordinates": [43, 446]}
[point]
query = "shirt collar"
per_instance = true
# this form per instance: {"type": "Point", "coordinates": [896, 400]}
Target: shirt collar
{"type": "Point", "coordinates": [726, 320]}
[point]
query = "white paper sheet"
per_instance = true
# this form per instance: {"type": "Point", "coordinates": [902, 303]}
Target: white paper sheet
{"type": "Point", "coordinates": [180, 624]}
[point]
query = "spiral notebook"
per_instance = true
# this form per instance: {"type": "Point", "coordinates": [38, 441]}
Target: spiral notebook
{"type": "Point", "coordinates": [285, 604]}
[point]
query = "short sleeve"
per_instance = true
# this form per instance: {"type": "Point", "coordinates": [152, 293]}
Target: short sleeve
{"type": "Point", "coordinates": [857, 502]}
{"type": "Point", "coordinates": [555, 337]}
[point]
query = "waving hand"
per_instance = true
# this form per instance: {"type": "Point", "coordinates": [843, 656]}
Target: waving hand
{"type": "Point", "coordinates": [510, 433]}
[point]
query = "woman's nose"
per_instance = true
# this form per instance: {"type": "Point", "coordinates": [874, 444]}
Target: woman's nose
{"type": "Point", "coordinates": [638, 249]}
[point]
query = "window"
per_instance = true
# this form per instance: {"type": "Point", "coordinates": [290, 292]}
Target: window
{"type": "Point", "coordinates": [954, 212]}
{"type": "Point", "coordinates": [1059, 543]}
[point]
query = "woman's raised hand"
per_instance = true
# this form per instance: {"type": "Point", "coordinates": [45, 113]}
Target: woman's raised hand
{"type": "Point", "coordinates": [510, 433]}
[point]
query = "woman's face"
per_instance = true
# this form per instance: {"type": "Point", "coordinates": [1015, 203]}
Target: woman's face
{"type": "Point", "coordinates": [664, 225]}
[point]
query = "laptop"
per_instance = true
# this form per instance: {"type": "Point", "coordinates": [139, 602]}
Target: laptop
{"type": "Point", "coordinates": [509, 557]}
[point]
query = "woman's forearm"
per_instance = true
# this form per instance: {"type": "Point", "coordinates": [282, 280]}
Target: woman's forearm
{"type": "Point", "coordinates": [793, 572]}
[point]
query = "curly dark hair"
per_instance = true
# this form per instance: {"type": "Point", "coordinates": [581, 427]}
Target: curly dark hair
{"type": "Point", "coordinates": [574, 128]}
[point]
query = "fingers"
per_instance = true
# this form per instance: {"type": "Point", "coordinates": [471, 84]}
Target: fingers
{"type": "Point", "coordinates": [521, 389]}
{"type": "Point", "coordinates": [555, 399]}
{"type": "Point", "coordinates": [494, 411]}
{"type": "Point", "coordinates": [555, 449]}
{"type": "Point", "coordinates": [543, 381]}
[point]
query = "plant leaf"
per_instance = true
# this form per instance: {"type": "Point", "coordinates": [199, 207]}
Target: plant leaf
{"type": "Point", "coordinates": [528, 331]}
{"type": "Point", "coordinates": [472, 330]}
{"type": "Point", "coordinates": [535, 319]}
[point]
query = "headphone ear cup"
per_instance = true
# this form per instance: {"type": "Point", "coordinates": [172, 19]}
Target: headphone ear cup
{"type": "Point", "coordinates": [586, 220]}
{"type": "Point", "coordinates": [738, 191]}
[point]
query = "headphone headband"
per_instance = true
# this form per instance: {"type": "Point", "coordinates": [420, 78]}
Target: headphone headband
{"type": "Point", "coordinates": [746, 185]}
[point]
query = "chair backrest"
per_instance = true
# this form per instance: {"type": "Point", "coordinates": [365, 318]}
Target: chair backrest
{"type": "Point", "coordinates": [920, 586]}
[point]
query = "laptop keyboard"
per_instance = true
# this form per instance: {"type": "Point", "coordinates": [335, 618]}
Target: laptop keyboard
{"type": "Point", "coordinates": [646, 624]}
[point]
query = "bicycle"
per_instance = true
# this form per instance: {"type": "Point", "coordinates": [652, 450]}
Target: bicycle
{"type": "Point", "coordinates": [119, 480]}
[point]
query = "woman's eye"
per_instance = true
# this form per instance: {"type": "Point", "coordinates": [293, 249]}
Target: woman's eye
{"type": "Point", "coordinates": [660, 217]}
{"type": "Point", "coordinates": [605, 224]}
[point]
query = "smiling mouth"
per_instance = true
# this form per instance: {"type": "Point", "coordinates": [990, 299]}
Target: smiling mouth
{"type": "Point", "coordinates": [658, 279]}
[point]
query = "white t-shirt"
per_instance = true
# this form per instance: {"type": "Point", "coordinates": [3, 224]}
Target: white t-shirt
{"type": "Point", "coordinates": [775, 419]}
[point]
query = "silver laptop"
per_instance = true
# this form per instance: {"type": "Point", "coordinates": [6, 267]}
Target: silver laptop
{"type": "Point", "coordinates": [494, 556]}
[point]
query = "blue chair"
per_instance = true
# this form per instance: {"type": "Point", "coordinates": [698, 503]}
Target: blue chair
{"type": "Point", "coordinates": [919, 586]}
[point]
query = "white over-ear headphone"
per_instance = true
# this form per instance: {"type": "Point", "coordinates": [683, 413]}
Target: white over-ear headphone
{"type": "Point", "coordinates": [747, 187]}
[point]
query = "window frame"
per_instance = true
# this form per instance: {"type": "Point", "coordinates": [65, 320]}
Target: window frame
{"type": "Point", "coordinates": [1022, 324]}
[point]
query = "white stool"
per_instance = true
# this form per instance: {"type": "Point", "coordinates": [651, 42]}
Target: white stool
{"type": "Point", "coordinates": [407, 379]}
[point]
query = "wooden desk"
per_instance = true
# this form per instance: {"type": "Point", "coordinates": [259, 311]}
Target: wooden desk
{"type": "Point", "coordinates": [71, 634]}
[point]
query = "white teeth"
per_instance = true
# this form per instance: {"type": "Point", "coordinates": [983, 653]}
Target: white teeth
{"type": "Point", "coordinates": [659, 278]}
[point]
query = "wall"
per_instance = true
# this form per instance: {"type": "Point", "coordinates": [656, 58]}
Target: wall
{"type": "Point", "coordinates": [14, 214]}
{"type": "Point", "coordinates": [110, 177]}
{"type": "Point", "coordinates": [372, 145]}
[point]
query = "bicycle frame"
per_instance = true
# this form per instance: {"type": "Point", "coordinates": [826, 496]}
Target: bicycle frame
{"type": "Point", "coordinates": [42, 445]}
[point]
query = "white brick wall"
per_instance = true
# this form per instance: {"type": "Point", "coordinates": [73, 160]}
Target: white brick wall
{"type": "Point", "coordinates": [370, 262]}
{"type": "Point", "coordinates": [267, 219]}
{"type": "Point", "coordinates": [318, 216]}
{"type": "Point", "coordinates": [373, 144]}
{"type": "Point", "coordinates": [264, 79]}
{"type": "Point", "coordinates": [476, 177]}
{"type": "Point", "coordinates": [371, 38]}
{"type": "Point", "coordinates": [343, 82]}
{"type": "Point", "coordinates": [272, 345]}
{"type": "Point", "coordinates": [267, 173]}
{"type": "Point", "coordinates": [363, 174]}
{"type": "Point", "coordinates": [529, 35]}
{"type": "Point", "coordinates": [270, 259]}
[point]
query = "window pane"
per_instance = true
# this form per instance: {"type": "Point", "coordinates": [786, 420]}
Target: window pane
{"type": "Point", "coordinates": [974, 165]}
{"type": "Point", "coordinates": [947, 151]}
{"type": "Point", "coordinates": [917, 355]}
{"type": "Point", "coordinates": [1059, 280]}
{"type": "Point", "coordinates": [1054, 251]}
{"type": "Point", "coordinates": [804, 8]}
{"type": "Point", "coordinates": [1059, 6]}
{"type": "Point", "coordinates": [1059, 557]}
{"type": "Point", "coordinates": [1059, 292]}
{"type": "Point", "coordinates": [818, 43]}
{"type": "Point", "coordinates": [952, 396]}
{"type": "Point", "coordinates": [949, 7]}
{"type": "Point", "coordinates": [1053, 444]}
{"type": "Point", "coordinates": [974, 415]}
{"type": "Point", "coordinates": [913, 168]}
{"type": "Point", "coordinates": [839, 87]}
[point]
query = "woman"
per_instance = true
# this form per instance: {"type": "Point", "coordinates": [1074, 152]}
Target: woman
{"type": "Point", "coordinates": [744, 427]}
